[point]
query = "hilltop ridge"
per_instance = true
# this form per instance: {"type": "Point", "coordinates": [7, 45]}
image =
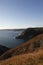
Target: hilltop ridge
{"type": "Point", "coordinates": [30, 33]}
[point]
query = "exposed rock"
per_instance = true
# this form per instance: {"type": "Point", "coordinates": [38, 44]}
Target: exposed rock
{"type": "Point", "coordinates": [30, 33]}
{"type": "Point", "coordinates": [3, 49]}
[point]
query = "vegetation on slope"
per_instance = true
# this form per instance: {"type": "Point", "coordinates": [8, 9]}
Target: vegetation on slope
{"type": "Point", "coordinates": [25, 59]}
{"type": "Point", "coordinates": [29, 47]}
{"type": "Point", "coordinates": [29, 53]}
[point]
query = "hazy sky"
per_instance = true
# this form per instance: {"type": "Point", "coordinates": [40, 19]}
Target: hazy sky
{"type": "Point", "coordinates": [21, 13]}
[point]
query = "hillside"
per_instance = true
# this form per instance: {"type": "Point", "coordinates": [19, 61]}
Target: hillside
{"type": "Point", "coordinates": [25, 59]}
{"type": "Point", "coordinates": [3, 49]}
{"type": "Point", "coordinates": [29, 53]}
{"type": "Point", "coordinates": [30, 33]}
{"type": "Point", "coordinates": [30, 46]}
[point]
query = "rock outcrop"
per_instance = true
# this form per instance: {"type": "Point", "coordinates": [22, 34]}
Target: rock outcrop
{"type": "Point", "coordinates": [30, 33]}
{"type": "Point", "coordinates": [3, 49]}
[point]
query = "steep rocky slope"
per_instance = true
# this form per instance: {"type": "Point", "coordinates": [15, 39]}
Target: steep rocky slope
{"type": "Point", "coordinates": [30, 33]}
{"type": "Point", "coordinates": [3, 49]}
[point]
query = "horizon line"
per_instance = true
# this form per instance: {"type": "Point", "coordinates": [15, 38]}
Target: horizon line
{"type": "Point", "coordinates": [20, 28]}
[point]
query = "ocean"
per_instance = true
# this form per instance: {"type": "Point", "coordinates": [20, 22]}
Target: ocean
{"type": "Point", "coordinates": [8, 38]}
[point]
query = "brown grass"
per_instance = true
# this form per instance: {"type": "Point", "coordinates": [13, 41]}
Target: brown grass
{"type": "Point", "coordinates": [25, 59]}
{"type": "Point", "coordinates": [29, 53]}
{"type": "Point", "coordinates": [30, 46]}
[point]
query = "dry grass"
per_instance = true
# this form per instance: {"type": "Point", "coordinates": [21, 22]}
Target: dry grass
{"type": "Point", "coordinates": [25, 59]}
{"type": "Point", "coordinates": [29, 47]}
{"type": "Point", "coordinates": [29, 53]}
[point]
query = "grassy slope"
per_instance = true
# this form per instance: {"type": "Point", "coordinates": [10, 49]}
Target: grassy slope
{"type": "Point", "coordinates": [25, 59]}
{"type": "Point", "coordinates": [30, 46]}
{"type": "Point", "coordinates": [29, 53]}
{"type": "Point", "coordinates": [32, 55]}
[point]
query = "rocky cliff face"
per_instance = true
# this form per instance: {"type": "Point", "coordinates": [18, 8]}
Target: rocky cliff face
{"type": "Point", "coordinates": [3, 49]}
{"type": "Point", "coordinates": [30, 33]}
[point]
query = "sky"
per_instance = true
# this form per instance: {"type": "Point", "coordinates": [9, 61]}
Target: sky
{"type": "Point", "coordinates": [21, 14]}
